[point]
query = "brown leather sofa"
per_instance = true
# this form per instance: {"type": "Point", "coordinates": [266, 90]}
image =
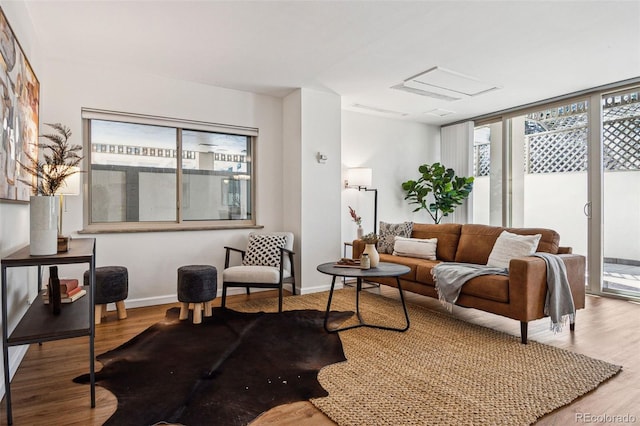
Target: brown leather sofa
{"type": "Point", "coordinates": [520, 296]}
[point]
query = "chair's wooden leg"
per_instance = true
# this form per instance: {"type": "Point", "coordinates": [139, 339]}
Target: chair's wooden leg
{"type": "Point", "coordinates": [524, 326]}
{"type": "Point", "coordinates": [98, 314]}
{"type": "Point", "coordinates": [197, 313]}
{"type": "Point", "coordinates": [208, 310]}
{"type": "Point", "coordinates": [184, 311]}
{"type": "Point", "coordinates": [223, 304]}
{"type": "Point", "coordinates": [122, 311]}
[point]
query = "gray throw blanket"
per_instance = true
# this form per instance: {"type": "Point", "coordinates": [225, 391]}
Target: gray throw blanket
{"type": "Point", "coordinates": [559, 301]}
{"type": "Point", "coordinates": [450, 277]}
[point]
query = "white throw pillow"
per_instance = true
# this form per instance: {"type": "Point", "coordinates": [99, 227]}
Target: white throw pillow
{"type": "Point", "coordinates": [509, 246]}
{"type": "Point", "coordinates": [415, 247]}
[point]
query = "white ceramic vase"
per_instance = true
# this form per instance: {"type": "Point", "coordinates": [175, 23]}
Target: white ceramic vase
{"type": "Point", "coordinates": [374, 256]}
{"type": "Point", "coordinates": [43, 213]}
{"type": "Point", "coordinates": [359, 232]}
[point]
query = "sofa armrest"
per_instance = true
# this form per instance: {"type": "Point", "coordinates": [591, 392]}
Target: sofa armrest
{"type": "Point", "coordinates": [565, 250]}
{"type": "Point", "coordinates": [528, 284]}
{"type": "Point", "coordinates": [357, 248]}
{"type": "Point", "coordinates": [576, 273]}
{"type": "Point", "coordinates": [527, 288]}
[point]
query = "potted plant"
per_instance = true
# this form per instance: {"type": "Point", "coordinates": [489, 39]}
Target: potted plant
{"type": "Point", "coordinates": [60, 159]}
{"type": "Point", "coordinates": [370, 241]}
{"type": "Point", "coordinates": [448, 190]}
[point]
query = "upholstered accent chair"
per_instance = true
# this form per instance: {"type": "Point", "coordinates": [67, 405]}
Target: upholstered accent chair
{"type": "Point", "coordinates": [267, 262]}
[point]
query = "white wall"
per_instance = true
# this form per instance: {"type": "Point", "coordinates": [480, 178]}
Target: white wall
{"type": "Point", "coordinates": [312, 189]}
{"type": "Point", "coordinates": [320, 186]}
{"type": "Point", "coordinates": [393, 149]}
{"type": "Point", "coordinates": [292, 170]}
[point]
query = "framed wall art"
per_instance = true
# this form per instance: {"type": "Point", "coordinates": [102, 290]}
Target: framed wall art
{"type": "Point", "coordinates": [19, 99]}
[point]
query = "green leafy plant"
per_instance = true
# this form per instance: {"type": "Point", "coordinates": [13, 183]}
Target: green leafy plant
{"type": "Point", "coordinates": [448, 190]}
{"type": "Point", "coordinates": [61, 160]}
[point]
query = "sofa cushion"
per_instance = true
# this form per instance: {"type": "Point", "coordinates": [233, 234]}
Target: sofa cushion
{"type": "Point", "coordinates": [448, 235]}
{"type": "Point", "coordinates": [423, 272]}
{"type": "Point", "coordinates": [509, 246]}
{"type": "Point", "coordinates": [411, 262]}
{"type": "Point", "coordinates": [477, 241]}
{"type": "Point", "coordinates": [388, 232]}
{"type": "Point", "coordinates": [423, 248]}
{"type": "Point", "coordinates": [491, 287]}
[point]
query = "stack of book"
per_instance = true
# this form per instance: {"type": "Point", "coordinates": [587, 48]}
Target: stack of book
{"type": "Point", "coordinates": [70, 291]}
{"type": "Point", "coordinates": [345, 262]}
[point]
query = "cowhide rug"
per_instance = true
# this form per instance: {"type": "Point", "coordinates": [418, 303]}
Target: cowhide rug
{"type": "Point", "coordinates": [226, 371]}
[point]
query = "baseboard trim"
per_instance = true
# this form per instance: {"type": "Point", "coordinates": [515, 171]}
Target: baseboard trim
{"type": "Point", "coordinates": [320, 288]}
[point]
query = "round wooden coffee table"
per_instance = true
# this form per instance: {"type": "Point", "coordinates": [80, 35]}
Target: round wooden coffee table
{"type": "Point", "coordinates": [384, 269]}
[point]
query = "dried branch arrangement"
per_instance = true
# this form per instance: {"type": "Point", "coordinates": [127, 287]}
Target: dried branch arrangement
{"type": "Point", "coordinates": [61, 160]}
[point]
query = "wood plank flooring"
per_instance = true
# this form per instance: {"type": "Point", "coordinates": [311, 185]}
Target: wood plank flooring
{"type": "Point", "coordinates": [608, 329]}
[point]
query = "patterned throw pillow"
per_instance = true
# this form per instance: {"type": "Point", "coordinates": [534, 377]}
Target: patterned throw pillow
{"type": "Point", "coordinates": [388, 232]}
{"type": "Point", "coordinates": [264, 250]}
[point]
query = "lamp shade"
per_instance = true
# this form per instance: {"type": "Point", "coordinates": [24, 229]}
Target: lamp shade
{"type": "Point", "coordinates": [359, 176]}
{"type": "Point", "coordinates": [71, 185]}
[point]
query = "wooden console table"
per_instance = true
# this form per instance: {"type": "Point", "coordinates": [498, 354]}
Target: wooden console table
{"type": "Point", "coordinates": [39, 324]}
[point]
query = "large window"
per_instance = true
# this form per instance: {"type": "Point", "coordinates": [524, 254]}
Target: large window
{"type": "Point", "coordinates": [154, 173]}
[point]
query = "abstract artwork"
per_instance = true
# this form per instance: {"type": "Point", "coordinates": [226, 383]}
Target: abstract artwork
{"type": "Point", "coordinates": [19, 94]}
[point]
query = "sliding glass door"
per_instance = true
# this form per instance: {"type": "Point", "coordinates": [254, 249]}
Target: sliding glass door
{"type": "Point", "coordinates": [548, 168]}
{"type": "Point", "coordinates": [621, 192]}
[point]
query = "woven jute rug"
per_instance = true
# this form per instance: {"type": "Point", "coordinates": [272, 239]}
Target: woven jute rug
{"type": "Point", "coordinates": [442, 371]}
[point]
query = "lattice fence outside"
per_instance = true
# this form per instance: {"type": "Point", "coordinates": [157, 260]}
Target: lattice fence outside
{"type": "Point", "coordinates": [558, 152]}
{"type": "Point", "coordinates": [621, 131]}
{"type": "Point", "coordinates": [482, 159]}
{"type": "Point", "coordinates": [556, 138]}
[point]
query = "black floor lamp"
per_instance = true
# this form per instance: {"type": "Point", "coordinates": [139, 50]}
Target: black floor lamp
{"type": "Point", "coordinates": [360, 177]}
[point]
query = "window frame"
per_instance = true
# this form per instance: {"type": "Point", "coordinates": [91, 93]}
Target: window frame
{"type": "Point", "coordinates": [179, 224]}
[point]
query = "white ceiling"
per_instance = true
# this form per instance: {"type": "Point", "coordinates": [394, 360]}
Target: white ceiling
{"type": "Point", "coordinates": [533, 50]}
